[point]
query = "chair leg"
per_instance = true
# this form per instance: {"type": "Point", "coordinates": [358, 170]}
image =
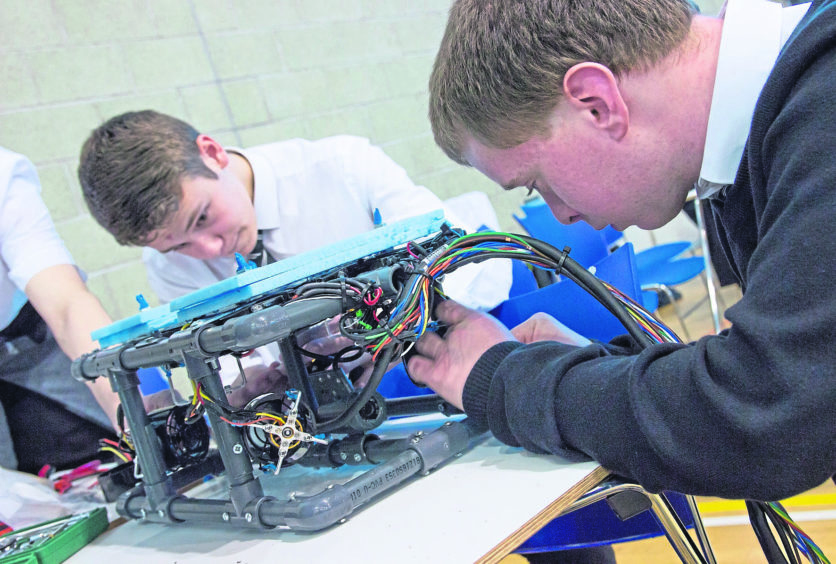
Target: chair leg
{"type": "Point", "coordinates": [672, 526]}
{"type": "Point", "coordinates": [676, 310]}
{"type": "Point", "coordinates": [709, 267]}
{"type": "Point", "coordinates": [675, 531]}
{"type": "Point", "coordinates": [699, 528]}
{"type": "Point", "coordinates": [715, 301]}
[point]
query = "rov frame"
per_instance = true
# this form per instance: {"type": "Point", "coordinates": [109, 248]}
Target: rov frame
{"type": "Point", "coordinates": [324, 414]}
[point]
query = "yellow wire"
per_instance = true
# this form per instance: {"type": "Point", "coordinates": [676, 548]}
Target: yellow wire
{"type": "Point", "coordinates": [114, 451]}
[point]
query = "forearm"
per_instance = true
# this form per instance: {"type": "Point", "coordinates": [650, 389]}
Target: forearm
{"type": "Point", "coordinates": [670, 417]}
{"type": "Point", "coordinates": [72, 313]}
{"type": "Point", "coordinates": [85, 316]}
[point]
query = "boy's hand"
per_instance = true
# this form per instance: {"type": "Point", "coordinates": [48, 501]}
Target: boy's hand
{"type": "Point", "coordinates": [544, 327]}
{"type": "Point", "coordinates": [444, 364]}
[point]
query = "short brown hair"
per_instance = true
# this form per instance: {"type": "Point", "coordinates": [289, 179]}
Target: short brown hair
{"type": "Point", "coordinates": [500, 68]}
{"type": "Point", "coordinates": [131, 171]}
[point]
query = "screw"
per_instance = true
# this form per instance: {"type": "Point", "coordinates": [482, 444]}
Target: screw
{"type": "Point", "coordinates": [161, 513]}
{"type": "Point", "coordinates": [330, 487]}
{"type": "Point", "coordinates": [142, 513]}
{"type": "Point", "coordinates": [343, 456]}
{"type": "Point", "coordinates": [357, 458]}
{"type": "Point", "coordinates": [248, 517]}
{"type": "Point", "coordinates": [237, 448]}
{"type": "Point", "coordinates": [256, 307]}
{"type": "Point", "coordinates": [225, 516]}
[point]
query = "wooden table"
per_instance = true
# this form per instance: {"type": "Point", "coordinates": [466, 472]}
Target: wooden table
{"type": "Point", "coordinates": [476, 508]}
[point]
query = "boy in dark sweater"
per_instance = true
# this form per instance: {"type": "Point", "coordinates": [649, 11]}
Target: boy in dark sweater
{"type": "Point", "coordinates": [614, 110]}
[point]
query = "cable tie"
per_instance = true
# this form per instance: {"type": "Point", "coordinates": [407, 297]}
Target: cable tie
{"type": "Point", "coordinates": [343, 292]}
{"type": "Point", "coordinates": [565, 253]}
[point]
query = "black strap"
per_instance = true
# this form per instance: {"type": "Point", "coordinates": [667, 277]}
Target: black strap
{"type": "Point", "coordinates": [260, 255]}
{"type": "Point", "coordinates": [28, 323]}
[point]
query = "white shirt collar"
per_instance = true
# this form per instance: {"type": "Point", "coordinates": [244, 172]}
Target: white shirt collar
{"type": "Point", "coordinates": [753, 33]}
{"type": "Point", "coordinates": [265, 194]}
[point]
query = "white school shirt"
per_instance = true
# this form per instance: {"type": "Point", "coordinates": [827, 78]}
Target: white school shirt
{"type": "Point", "coordinates": [754, 31]}
{"type": "Point", "coordinates": [28, 240]}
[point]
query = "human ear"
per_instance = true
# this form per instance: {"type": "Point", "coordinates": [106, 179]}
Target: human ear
{"type": "Point", "coordinates": [592, 89]}
{"type": "Point", "coordinates": [212, 152]}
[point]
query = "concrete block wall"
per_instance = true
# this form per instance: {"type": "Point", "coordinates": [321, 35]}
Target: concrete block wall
{"type": "Point", "coordinates": [244, 71]}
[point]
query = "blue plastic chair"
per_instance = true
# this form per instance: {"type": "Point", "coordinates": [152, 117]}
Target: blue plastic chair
{"type": "Point", "coordinates": [573, 306]}
{"type": "Point", "coordinates": [658, 268]}
{"type": "Point", "coordinates": [539, 222]}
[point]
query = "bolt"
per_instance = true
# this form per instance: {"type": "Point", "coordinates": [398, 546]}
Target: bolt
{"type": "Point", "coordinates": [142, 513]}
{"type": "Point", "coordinates": [248, 517]}
{"type": "Point", "coordinates": [256, 307]}
{"type": "Point", "coordinates": [343, 456]}
{"type": "Point", "coordinates": [415, 440]}
{"type": "Point", "coordinates": [237, 448]}
{"type": "Point", "coordinates": [357, 458]}
{"type": "Point", "coordinates": [161, 513]}
{"type": "Point", "coordinates": [448, 424]}
{"type": "Point", "coordinates": [330, 487]}
{"type": "Point", "coordinates": [225, 516]}
{"type": "Point", "coordinates": [343, 520]}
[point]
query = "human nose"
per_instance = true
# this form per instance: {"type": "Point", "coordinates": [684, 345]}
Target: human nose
{"type": "Point", "coordinates": [209, 245]}
{"type": "Point", "coordinates": [561, 211]}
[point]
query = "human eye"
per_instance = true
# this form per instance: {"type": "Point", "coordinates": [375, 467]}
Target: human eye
{"type": "Point", "coordinates": [532, 187]}
{"type": "Point", "coordinates": [202, 219]}
{"type": "Point", "coordinates": [176, 248]}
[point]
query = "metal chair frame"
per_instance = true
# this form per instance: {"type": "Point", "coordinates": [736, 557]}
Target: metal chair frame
{"type": "Point", "coordinates": [672, 526]}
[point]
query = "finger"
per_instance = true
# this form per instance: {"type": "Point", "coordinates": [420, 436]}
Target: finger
{"type": "Point", "coordinates": [452, 312]}
{"type": "Point", "coordinates": [525, 330]}
{"type": "Point", "coordinates": [429, 345]}
{"type": "Point", "coordinates": [419, 368]}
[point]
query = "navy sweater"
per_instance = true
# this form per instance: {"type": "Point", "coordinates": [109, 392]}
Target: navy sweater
{"type": "Point", "coordinates": [749, 413]}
